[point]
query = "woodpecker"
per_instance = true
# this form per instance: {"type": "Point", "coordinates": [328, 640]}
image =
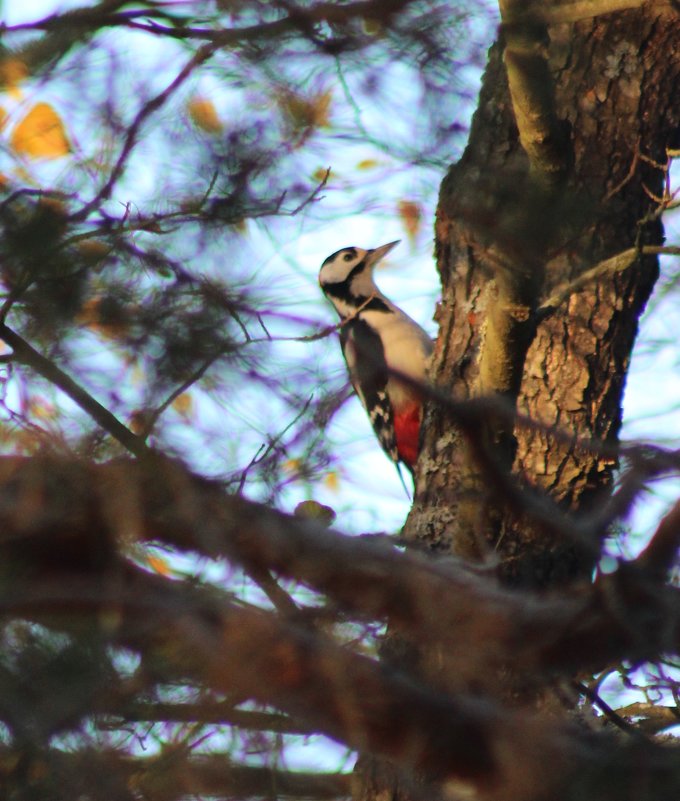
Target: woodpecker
{"type": "Point", "coordinates": [379, 341]}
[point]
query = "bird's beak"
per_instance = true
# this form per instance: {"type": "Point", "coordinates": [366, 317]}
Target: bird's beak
{"type": "Point", "coordinates": [376, 254]}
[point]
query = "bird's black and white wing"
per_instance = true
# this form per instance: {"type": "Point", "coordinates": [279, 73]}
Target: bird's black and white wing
{"type": "Point", "coordinates": [363, 351]}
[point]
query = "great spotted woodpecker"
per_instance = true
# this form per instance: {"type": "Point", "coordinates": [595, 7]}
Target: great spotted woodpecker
{"type": "Point", "coordinates": [379, 341]}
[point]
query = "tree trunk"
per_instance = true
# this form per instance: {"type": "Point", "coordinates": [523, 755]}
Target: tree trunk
{"type": "Point", "coordinates": [519, 451]}
{"type": "Point", "coordinates": [619, 103]}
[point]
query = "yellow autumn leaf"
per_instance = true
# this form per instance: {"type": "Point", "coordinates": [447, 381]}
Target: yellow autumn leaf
{"type": "Point", "coordinates": [321, 106]}
{"type": "Point", "coordinates": [332, 481]}
{"type": "Point", "coordinates": [12, 72]}
{"type": "Point", "coordinates": [411, 217]}
{"type": "Point", "coordinates": [3, 117]}
{"type": "Point", "coordinates": [322, 174]}
{"type": "Point", "coordinates": [372, 26]}
{"type": "Point", "coordinates": [183, 404]}
{"type": "Point", "coordinates": [368, 164]}
{"type": "Point", "coordinates": [312, 510]}
{"type": "Point", "coordinates": [41, 134]}
{"type": "Point", "coordinates": [204, 115]}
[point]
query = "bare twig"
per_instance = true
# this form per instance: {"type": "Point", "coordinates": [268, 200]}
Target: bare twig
{"type": "Point", "coordinates": [314, 195]}
{"type": "Point", "coordinates": [616, 264]}
{"type": "Point", "coordinates": [300, 20]}
{"type": "Point", "coordinates": [214, 712]}
{"type": "Point", "coordinates": [322, 334]}
{"type": "Point", "coordinates": [197, 374]}
{"type": "Point", "coordinates": [611, 715]}
{"type": "Point", "coordinates": [260, 453]}
{"type": "Point", "coordinates": [264, 450]}
{"type": "Point", "coordinates": [629, 175]}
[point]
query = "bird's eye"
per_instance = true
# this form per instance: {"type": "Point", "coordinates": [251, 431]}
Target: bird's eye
{"type": "Point", "coordinates": [348, 257]}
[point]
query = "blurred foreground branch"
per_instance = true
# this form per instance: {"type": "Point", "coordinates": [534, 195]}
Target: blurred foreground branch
{"type": "Point", "coordinates": [72, 522]}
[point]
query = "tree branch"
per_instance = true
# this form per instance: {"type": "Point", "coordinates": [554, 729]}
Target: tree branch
{"type": "Point", "coordinates": [26, 354]}
{"type": "Point", "coordinates": [469, 741]}
{"type": "Point", "coordinates": [558, 11]}
{"type": "Point", "coordinates": [213, 713]}
{"type": "Point", "coordinates": [479, 623]}
{"type": "Point", "coordinates": [651, 718]}
{"type": "Point", "coordinates": [532, 92]}
{"type": "Point", "coordinates": [609, 267]}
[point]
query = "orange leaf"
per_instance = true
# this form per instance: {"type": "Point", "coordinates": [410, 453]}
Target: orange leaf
{"type": "Point", "coordinates": [41, 134]}
{"type": "Point", "coordinates": [306, 112]}
{"type": "Point", "coordinates": [183, 404]}
{"type": "Point", "coordinates": [159, 565]}
{"type": "Point", "coordinates": [321, 174]}
{"type": "Point", "coordinates": [332, 481]}
{"type": "Point", "coordinates": [321, 106]}
{"type": "Point", "coordinates": [368, 164]}
{"type": "Point", "coordinates": [12, 72]}
{"type": "Point", "coordinates": [312, 510]}
{"type": "Point", "coordinates": [204, 115]}
{"type": "Point", "coordinates": [101, 316]}
{"type": "Point", "coordinates": [411, 217]}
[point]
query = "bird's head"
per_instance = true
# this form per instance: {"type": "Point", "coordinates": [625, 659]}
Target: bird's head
{"type": "Point", "coordinates": [351, 269]}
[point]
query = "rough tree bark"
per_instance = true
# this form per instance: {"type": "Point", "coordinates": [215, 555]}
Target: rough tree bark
{"type": "Point", "coordinates": [619, 105]}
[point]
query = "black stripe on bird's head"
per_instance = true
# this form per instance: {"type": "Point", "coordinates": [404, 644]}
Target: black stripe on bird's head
{"type": "Point", "coordinates": [349, 272]}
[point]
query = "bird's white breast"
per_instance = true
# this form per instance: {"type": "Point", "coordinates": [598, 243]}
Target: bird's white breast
{"type": "Point", "coordinates": [407, 348]}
